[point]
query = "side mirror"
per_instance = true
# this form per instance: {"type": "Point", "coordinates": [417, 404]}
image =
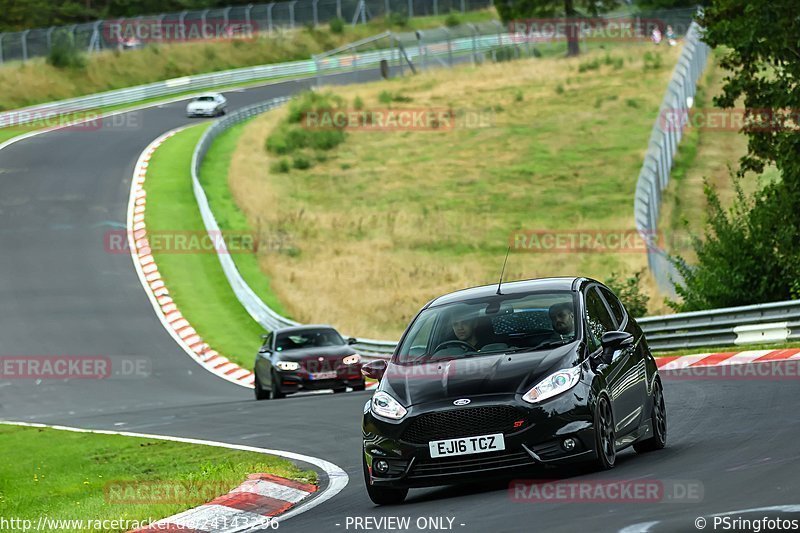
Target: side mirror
{"type": "Point", "coordinates": [374, 369]}
{"type": "Point", "coordinates": [352, 340]}
{"type": "Point", "coordinates": [613, 341]}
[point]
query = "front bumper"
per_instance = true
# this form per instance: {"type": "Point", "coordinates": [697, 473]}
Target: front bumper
{"type": "Point", "coordinates": [538, 442]}
{"type": "Point", "coordinates": [202, 112]}
{"type": "Point", "coordinates": [297, 380]}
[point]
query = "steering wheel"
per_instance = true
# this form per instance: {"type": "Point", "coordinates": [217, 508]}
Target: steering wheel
{"type": "Point", "coordinates": [454, 342]}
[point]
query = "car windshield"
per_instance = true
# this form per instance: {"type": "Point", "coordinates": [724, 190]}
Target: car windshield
{"type": "Point", "coordinates": [204, 99]}
{"type": "Point", "coordinates": [308, 338]}
{"type": "Point", "coordinates": [495, 324]}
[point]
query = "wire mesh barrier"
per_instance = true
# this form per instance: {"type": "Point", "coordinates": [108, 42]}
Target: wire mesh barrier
{"type": "Point", "coordinates": [224, 23]}
{"type": "Point", "coordinates": [664, 140]}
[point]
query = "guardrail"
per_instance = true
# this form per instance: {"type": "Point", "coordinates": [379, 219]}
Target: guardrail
{"type": "Point", "coordinates": [750, 324]}
{"type": "Point", "coordinates": [666, 134]}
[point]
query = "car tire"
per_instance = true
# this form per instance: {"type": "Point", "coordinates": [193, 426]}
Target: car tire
{"type": "Point", "coordinates": [275, 390]}
{"type": "Point", "coordinates": [359, 387]}
{"type": "Point", "coordinates": [261, 394]}
{"type": "Point", "coordinates": [382, 495]}
{"type": "Point", "coordinates": [605, 436]}
{"type": "Point", "coordinates": [659, 421]}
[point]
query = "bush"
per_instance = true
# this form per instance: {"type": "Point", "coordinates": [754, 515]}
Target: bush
{"type": "Point", "coordinates": [336, 25]}
{"type": "Point", "coordinates": [295, 134]}
{"type": "Point", "coordinates": [358, 103]}
{"type": "Point", "coordinates": [452, 20]}
{"type": "Point", "coordinates": [397, 19]}
{"type": "Point", "coordinates": [586, 66]}
{"type": "Point", "coordinates": [280, 166]}
{"type": "Point", "coordinates": [559, 89]}
{"type": "Point", "coordinates": [301, 162]}
{"type": "Point", "coordinates": [652, 61]}
{"type": "Point", "coordinates": [64, 53]}
{"type": "Point", "coordinates": [629, 292]}
{"type": "Point", "coordinates": [387, 97]}
{"type": "Point", "coordinates": [505, 53]}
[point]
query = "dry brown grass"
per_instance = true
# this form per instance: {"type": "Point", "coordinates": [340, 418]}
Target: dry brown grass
{"type": "Point", "coordinates": [391, 220]}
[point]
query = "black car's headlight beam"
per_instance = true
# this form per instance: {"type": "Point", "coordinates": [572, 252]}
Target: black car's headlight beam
{"type": "Point", "coordinates": [554, 384]}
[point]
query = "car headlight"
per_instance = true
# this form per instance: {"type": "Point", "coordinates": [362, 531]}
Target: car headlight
{"type": "Point", "coordinates": [352, 359]}
{"type": "Point", "coordinates": [287, 365]}
{"type": "Point", "coordinates": [554, 384]}
{"type": "Point", "coordinates": [387, 407]}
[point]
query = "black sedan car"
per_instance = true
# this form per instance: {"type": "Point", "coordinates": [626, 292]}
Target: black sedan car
{"type": "Point", "coordinates": [306, 358]}
{"type": "Point", "coordinates": [489, 381]}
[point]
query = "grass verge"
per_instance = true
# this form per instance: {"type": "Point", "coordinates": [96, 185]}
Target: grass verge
{"type": "Point", "coordinates": [66, 475]}
{"type": "Point", "coordinates": [195, 280]}
{"type": "Point", "coordinates": [398, 217]}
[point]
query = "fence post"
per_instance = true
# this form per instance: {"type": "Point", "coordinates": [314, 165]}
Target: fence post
{"type": "Point", "coordinates": [24, 41]}
{"type": "Point", "coordinates": [49, 38]}
{"type": "Point", "coordinates": [463, 6]}
{"type": "Point", "coordinates": [247, 11]}
{"type": "Point", "coordinates": [1, 47]}
{"type": "Point", "coordinates": [474, 43]}
{"type": "Point", "coordinates": [410, 8]}
{"type": "Point", "coordinates": [338, 9]}
{"type": "Point", "coordinates": [225, 16]}
{"type": "Point", "coordinates": [449, 46]}
{"type": "Point", "coordinates": [291, 13]}
{"type": "Point", "coordinates": [387, 7]}
{"type": "Point", "coordinates": [314, 10]}
{"type": "Point", "coordinates": [435, 7]}
{"type": "Point", "coordinates": [203, 23]}
{"type": "Point", "coordinates": [269, 17]}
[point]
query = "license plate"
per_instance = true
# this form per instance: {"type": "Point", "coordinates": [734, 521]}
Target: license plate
{"type": "Point", "coordinates": [324, 375]}
{"type": "Point", "coordinates": [467, 445]}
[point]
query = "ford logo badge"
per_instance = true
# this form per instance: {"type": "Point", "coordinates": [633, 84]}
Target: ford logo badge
{"type": "Point", "coordinates": [463, 401]}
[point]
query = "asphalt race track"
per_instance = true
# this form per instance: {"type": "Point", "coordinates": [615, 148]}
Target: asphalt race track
{"type": "Point", "coordinates": [63, 293]}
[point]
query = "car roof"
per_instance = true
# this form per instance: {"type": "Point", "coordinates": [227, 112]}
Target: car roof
{"type": "Point", "coordinates": [305, 327]}
{"type": "Point", "coordinates": [511, 287]}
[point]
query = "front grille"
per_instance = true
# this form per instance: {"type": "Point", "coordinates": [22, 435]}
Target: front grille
{"type": "Point", "coordinates": [460, 465]}
{"type": "Point", "coordinates": [464, 423]}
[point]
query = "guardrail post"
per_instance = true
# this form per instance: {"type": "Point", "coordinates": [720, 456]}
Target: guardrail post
{"type": "Point", "coordinates": [314, 8]}
{"type": "Point", "coordinates": [24, 41]}
{"type": "Point", "coordinates": [269, 17]}
{"type": "Point", "coordinates": [291, 13]}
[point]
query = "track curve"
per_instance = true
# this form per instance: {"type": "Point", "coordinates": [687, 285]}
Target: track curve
{"type": "Point", "coordinates": [62, 293]}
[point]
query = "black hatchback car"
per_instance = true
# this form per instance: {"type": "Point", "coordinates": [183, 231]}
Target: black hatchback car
{"type": "Point", "coordinates": [488, 382]}
{"type": "Point", "coordinates": [306, 358]}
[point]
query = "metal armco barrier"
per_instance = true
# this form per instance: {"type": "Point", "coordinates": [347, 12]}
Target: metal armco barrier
{"type": "Point", "coordinates": [664, 140]}
{"type": "Point", "coordinates": [750, 324]}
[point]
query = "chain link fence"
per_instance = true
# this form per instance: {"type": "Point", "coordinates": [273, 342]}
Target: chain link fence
{"type": "Point", "coordinates": [664, 139]}
{"type": "Point", "coordinates": [229, 22]}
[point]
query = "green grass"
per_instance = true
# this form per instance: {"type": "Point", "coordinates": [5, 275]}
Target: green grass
{"type": "Point", "coordinates": [67, 475]}
{"type": "Point", "coordinates": [195, 280]}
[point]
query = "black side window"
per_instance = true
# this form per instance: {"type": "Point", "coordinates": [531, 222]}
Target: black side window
{"type": "Point", "coordinates": [267, 342]}
{"type": "Point", "coordinates": [598, 319]}
{"type": "Point", "coordinates": [615, 305]}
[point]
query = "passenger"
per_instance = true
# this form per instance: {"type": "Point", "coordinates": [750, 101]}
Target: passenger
{"type": "Point", "coordinates": [563, 318]}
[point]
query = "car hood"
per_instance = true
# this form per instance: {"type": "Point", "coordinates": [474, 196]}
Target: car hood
{"type": "Point", "coordinates": [201, 105]}
{"type": "Point", "coordinates": [328, 352]}
{"type": "Point", "coordinates": [474, 376]}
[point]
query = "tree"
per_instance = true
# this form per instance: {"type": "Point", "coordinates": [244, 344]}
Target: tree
{"type": "Point", "coordinates": [571, 10]}
{"type": "Point", "coordinates": [751, 254]}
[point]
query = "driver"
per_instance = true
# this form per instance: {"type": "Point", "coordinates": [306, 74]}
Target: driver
{"type": "Point", "coordinates": [563, 318]}
{"type": "Point", "coordinates": [465, 329]}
